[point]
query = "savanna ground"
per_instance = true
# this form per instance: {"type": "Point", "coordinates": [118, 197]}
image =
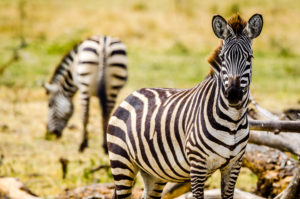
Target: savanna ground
{"type": "Point", "coordinates": [168, 42]}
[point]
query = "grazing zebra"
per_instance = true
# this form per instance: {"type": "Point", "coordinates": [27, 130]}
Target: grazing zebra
{"type": "Point", "coordinates": [180, 135]}
{"type": "Point", "coordinates": [95, 67]}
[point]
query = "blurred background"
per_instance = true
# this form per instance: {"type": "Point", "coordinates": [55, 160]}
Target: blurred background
{"type": "Point", "coordinates": [168, 42]}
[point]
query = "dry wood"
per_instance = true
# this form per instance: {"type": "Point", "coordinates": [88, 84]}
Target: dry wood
{"type": "Point", "coordinates": [275, 126]}
{"type": "Point", "coordinates": [273, 168]}
{"type": "Point", "coordinates": [95, 191]}
{"type": "Point", "coordinates": [14, 189]}
{"type": "Point", "coordinates": [293, 189]}
{"type": "Point", "coordinates": [173, 190]}
{"type": "Point", "coordinates": [287, 142]}
{"type": "Point", "coordinates": [216, 194]}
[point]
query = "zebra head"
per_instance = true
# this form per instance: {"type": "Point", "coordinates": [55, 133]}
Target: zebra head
{"type": "Point", "coordinates": [60, 110]}
{"type": "Point", "coordinates": [236, 55]}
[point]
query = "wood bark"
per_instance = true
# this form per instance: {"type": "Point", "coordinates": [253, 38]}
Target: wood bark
{"type": "Point", "coordinates": [275, 126]}
{"type": "Point", "coordinates": [293, 189]}
{"type": "Point", "coordinates": [273, 168]}
{"type": "Point", "coordinates": [287, 142]}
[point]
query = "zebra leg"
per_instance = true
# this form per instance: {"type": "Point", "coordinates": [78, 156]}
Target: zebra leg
{"type": "Point", "coordinates": [198, 178]}
{"type": "Point", "coordinates": [85, 102]}
{"type": "Point", "coordinates": [229, 176]}
{"type": "Point", "coordinates": [106, 111]}
{"type": "Point", "coordinates": [123, 171]}
{"type": "Point", "coordinates": [153, 186]}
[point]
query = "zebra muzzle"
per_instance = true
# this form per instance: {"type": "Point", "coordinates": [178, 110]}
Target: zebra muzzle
{"type": "Point", "coordinates": [52, 135]}
{"type": "Point", "coordinates": [234, 95]}
{"type": "Point", "coordinates": [234, 92]}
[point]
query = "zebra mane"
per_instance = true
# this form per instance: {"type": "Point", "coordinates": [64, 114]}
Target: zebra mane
{"type": "Point", "coordinates": [59, 68]}
{"type": "Point", "coordinates": [237, 23]}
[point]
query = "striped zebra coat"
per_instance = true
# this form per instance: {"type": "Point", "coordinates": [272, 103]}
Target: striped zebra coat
{"type": "Point", "coordinates": [173, 135]}
{"type": "Point", "coordinates": [94, 67]}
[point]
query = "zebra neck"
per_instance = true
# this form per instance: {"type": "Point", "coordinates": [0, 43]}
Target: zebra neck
{"type": "Point", "coordinates": [63, 75]}
{"type": "Point", "coordinates": [68, 88]}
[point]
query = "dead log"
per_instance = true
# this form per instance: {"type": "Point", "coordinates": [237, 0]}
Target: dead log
{"type": "Point", "coordinates": [287, 142]}
{"type": "Point", "coordinates": [273, 168]}
{"type": "Point", "coordinates": [173, 190]}
{"type": "Point", "coordinates": [12, 188]}
{"type": "Point", "coordinates": [293, 189]}
{"type": "Point", "coordinates": [216, 194]}
{"type": "Point", "coordinates": [275, 126]}
{"type": "Point", "coordinates": [95, 191]}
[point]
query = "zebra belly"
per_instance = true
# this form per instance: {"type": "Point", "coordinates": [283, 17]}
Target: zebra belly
{"type": "Point", "coordinates": [164, 166]}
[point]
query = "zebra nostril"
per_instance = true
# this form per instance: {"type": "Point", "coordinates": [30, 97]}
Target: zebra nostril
{"type": "Point", "coordinates": [234, 95]}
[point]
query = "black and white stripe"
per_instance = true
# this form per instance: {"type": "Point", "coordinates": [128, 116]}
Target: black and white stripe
{"type": "Point", "coordinates": [173, 135]}
{"type": "Point", "coordinates": [95, 67]}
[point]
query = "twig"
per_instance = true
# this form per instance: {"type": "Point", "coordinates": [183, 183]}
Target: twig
{"type": "Point", "coordinates": [99, 168]}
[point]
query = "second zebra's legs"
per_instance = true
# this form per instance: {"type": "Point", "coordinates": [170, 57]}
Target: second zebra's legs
{"type": "Point", "coordinates": [106, 111]}
{"type": "Point", "coordinates": [153, 186]}
{"type": "Point", "coordinates": [85, 102]}
{"type": "Point", "coordinates": [229, 176]}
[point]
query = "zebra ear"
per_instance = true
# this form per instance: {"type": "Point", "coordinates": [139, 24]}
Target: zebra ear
{"type": "Point", "coordinates": [50, 88]}
{"type": "Point", "coordinates": [220, 27]}
{"type": "Point", "coordinates": [254, 26]}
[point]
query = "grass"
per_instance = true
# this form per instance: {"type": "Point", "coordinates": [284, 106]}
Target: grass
{"type": "Point", "coordinates": [168, 43]}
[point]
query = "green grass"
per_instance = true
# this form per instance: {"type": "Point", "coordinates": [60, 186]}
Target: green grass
{"type": "Point", "coordinates": [168, 43]}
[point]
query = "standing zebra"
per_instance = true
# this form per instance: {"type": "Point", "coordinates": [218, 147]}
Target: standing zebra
{"type": "Point", "coordinates": [95, 67]}
{"type": "Point", "coordinates": [180, 135]}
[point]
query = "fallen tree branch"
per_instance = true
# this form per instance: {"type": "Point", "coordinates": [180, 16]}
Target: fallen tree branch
{"type": "Point", "coordinates": [275, 126]}
{"type": "Point", "coordinates": [173, 190]}
{"type": "Point", "coordinates": [216, 194]}
{"type": "Point", "coordinates": [287, 142]}
{"type": "Point", "coordinates": [293, 189]}
{"type": "Point", "coordinates": [273, 168]}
